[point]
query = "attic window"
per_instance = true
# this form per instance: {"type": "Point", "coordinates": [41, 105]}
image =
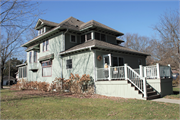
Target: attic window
{"type": "Point", "coordinates": [73, 39]}
{"type": "Point", "coordinates": [41, 31]}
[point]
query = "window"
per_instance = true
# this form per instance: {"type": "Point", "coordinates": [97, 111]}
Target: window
{"type": "Point", "coordinates": [117, 61]}
{"type": "Point", "coordinates": [22, 72]}
{"type": "Point", "coordinates": [89, 36]}
{"type": "Point", "coordinates": [99, 36]}
{"type": "Point", "coordinates": [69, 64]}
{"type": "Point", "coordinates": [30, 57]}
{"type": "Point", "coordinates": [103, 37]}
{"type": "Point", "coordinates": [73, 38]}
{"type": "Point", "coordinates": [139, 62]}
{"type": "Point", "coordinates": [45, 45]}
{"type": "Point", "coordinates": [41, 31]}
{"type": "Point", "coordinates": [35, 56]}
{"type": "Point", "coordinates": [82, 38]}
{"type": "Point", "coordinates": [47, 68]}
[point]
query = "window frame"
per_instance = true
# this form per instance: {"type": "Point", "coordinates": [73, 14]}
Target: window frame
{"type": "Point", "coordinates": [71, 38]}
{"type": "Point", "coordinates": [71, 64]}
{"type": "Point", "coordinates": [47, 66]}
{"type": "Point", "coordinates": [100, 36]}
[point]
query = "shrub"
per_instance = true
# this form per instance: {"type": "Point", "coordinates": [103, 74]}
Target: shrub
{"type": "Point", "coordinates": [176, 82]}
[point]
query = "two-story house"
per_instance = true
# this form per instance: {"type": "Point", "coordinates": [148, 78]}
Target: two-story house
{"type": "Point", "coordinates": [77, 47]}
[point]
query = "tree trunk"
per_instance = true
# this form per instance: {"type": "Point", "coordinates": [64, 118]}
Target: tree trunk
{"type": "Point", "coordinates": [2, 77]}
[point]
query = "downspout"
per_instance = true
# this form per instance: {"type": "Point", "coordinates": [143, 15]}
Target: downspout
{"type": "Point", "coordinates": [63, 49]}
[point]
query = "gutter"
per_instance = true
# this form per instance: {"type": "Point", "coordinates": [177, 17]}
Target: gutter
{"type": "Point", "coordinates": [77, 50]}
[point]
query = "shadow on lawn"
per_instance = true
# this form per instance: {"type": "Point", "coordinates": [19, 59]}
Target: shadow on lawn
{"type": "Point", "coordinates": [176, 92]}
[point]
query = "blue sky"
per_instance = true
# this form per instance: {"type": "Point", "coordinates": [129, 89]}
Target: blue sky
{"type": "Point", "coordinates": [124, 16]}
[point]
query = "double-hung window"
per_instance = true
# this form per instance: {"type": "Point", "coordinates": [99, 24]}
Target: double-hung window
{"type": "Point", "coordinates": [35, 56]}
{"type": "Point", "coordinates": [69, 64]}
{"type": "Point", "coordinates": [47, 68]}
{"type": "Point", "coordinates": [22, 72]}
{"type": "Point", "coordinates": [30, 57]}
{"type": "Point", "coordinates": [45, 45]}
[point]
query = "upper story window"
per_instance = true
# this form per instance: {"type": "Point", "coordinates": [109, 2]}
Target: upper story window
{"type": "Point", "coordinates": [35, 56]}
{"type": "Point", "coordinates": [30, 57]}
{"type": "Point", "coordinates": [89, 36]}
{"type": "Point", "coordinates": [73, 39]}
{"type": "Point", "coordinates": [82, 38]}
{"type": "Point", "coordinates": [99, 36]}
{"type": "Point", "coordinates": [41, 31]}
{"type": "Point", "coordinates": [46, 45]}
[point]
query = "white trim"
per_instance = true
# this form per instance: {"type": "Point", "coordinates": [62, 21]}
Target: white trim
{"type": "Point", "coordinates": [77, 49]}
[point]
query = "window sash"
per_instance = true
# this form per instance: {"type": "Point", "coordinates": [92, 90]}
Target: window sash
{"type": "Point", "coordinates": [69, 64]}
{"type": "Point", "coordinates": [73, 38]}
{"type": "Point", "coordinates": [88, 36]}
{"type": "Point", "coordinates": [47, 68]}
{"type": "Point", "coordinates": [47, 45]}
{"type": "Point", "coordinates": [30, 56]}
{"type": "Point", "coordinates": [35, 56]}
{"type": "Point", "coordinates": [82, 38]}
{"type": "Point", "coordinates": [103, 37]}
{"type": "Point", "coordinates": [97, 36]}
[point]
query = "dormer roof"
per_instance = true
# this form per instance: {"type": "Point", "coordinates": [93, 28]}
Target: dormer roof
{"type": "Point", "coordinates": [45, 22]}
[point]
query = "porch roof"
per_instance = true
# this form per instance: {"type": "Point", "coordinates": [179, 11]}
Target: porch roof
{"type": "Point", "coordinates": [102, 45]}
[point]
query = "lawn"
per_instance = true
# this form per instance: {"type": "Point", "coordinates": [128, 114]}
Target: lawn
{"type": "Point", "coordinates": [175, 94]}
{"type": "Point", "coordinates": [29, 106]}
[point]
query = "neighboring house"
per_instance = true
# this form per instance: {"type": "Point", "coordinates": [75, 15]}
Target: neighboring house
{"type": "Point", "coordinates": [77, 47]}
{"type": "Point", "coordinates": [6, 80]}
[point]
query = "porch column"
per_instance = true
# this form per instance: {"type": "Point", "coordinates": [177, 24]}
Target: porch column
{"type": "Point", "coordinates": [141, 70]}
{"type": "Point", "coordinates": [125, 71]}
{"type": "Point", "coordinates": [145, 72]}
{"type": "Point", "coordinates": [158, 70]}
{"type": "Point", "coordinates": [144, 85]}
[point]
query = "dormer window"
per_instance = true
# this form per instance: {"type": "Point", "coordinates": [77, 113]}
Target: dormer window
{"type": "Point", "coordinates": [100, 36]}
{"type": "Point", "coordinates": [73, 39]}
{"type": "Point", "coordinates": [41, 31]}
{"type": "Point", "coordinates": [89, 36]}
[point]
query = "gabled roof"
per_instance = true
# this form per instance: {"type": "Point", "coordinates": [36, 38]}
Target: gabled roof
{"type": "Point", "coordinates": [101, 44]}
{"type": "Point", "coordinates": [49, 23]}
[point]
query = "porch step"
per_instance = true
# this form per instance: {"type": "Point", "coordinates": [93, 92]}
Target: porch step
{"type": "Point", "coordinates": [153, 97]}
{"type": "Point", "coordinates": [150, 93]}
{"type": "Point", "coordinates": [149, 89]}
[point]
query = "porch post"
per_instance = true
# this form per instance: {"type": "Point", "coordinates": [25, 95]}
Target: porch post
{"type": "Point", "coordinates": [109, 73]}
{"type": "Point", "coordinates": [141, 70]}
{"type": "Point", "coordinates": [170, 74]}
{"type": "Point", "coordinates": [125, 71]}
{"type": "Point", "coordinates": [145, 75]}
{"type": "Point", "coordinates": [158, 74]}
{"type": "Point", "coordinates": [144, 86]}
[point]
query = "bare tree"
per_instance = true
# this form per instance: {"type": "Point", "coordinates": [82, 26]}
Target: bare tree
{"type": "Point", "coordinates": [168, 29]}
{"type": "Point", "coordinates": [17, 16]}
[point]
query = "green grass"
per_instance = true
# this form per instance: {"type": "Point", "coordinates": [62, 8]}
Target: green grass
{"type": "Point", "coordinates": [14, 106]}
{"type": "Point", "coordinates": [175, 94]}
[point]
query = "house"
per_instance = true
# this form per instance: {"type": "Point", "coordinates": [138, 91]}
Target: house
{"type": "Point", "coordinates": [77, 47]}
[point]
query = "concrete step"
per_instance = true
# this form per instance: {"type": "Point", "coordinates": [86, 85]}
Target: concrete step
{"type": "Point", "coordinates": [153, 97]}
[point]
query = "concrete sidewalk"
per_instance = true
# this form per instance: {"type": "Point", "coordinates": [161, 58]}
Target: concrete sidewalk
{"type": "Point", "coordinates": [167, 100]}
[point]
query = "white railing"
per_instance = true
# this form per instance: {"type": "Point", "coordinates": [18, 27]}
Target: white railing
{"type": "Point", "coordinates": [138, 81]}
{"type": "Point", "coordinates": [112, 73]}
{"type": "Point", "coordinates": [150, 71]}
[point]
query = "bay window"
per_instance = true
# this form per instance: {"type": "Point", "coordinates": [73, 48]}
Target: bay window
{"type": "Point", "coordinates": [22, 72]}
{"type": "Point", "coordinates": [47, 68]}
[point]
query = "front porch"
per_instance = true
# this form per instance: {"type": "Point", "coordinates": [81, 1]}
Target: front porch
{"type": "Point", "coordinates": [146, 82]}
